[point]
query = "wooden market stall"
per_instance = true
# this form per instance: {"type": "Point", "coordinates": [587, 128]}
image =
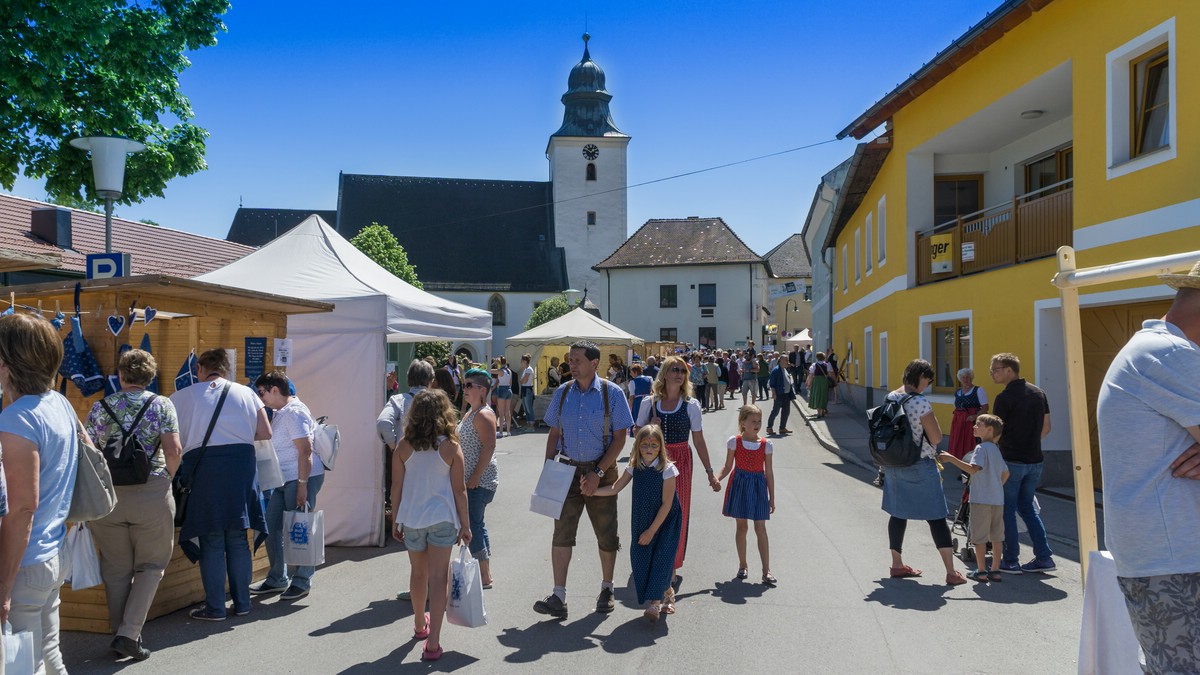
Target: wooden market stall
{"type": "Point", "coordinates": [177, 316]}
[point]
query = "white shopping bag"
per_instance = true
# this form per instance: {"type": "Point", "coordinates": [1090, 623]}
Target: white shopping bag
{"type": "Point", "coordinates": [464, 597]}
{"type": "Point", "coordinates": [18, 652]}
{"type": "Point", "coordinates": [552, 488]}
{"type": "Point", "coordinates": [304, 537]}
{"type": "Point", "coordinates": [84, 570]}
{"type": "Point", "coordinates": [269, 474]}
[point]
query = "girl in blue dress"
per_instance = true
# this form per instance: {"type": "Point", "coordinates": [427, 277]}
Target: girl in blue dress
{"type": "Point", "coordinates": [750, 494]}
{"type": "Point", "coordinates": [656, 518]}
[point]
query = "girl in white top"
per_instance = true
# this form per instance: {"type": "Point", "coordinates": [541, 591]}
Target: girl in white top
{"type": "Point", "coordinates": [429, 486]}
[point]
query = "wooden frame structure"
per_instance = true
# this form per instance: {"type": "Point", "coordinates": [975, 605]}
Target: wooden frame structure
{"type": "Point", "coordinates": [192, 315]}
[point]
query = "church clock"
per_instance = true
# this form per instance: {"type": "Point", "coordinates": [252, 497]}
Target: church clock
{"type": "Point", "coordinates": [590, 151]}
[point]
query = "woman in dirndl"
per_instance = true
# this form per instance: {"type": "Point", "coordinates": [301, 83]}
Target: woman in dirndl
{"type": "Point", "coordinates": [970, 401]}
{"type": "Point", "coordinates": [818, 385]}
{"type": "Point", "coordinates": [673, 408]}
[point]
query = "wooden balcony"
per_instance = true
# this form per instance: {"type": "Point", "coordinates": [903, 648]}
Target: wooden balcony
{"type": "Point", "coordinates": [1032, 226]}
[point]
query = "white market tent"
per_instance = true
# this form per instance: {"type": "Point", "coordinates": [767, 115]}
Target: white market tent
{"type": "Point", "coordinates": [803, 338]}
{"type": "Point", "coordinates": [554, 338]}
{"type": "Point", "coordinates": [338, 359]}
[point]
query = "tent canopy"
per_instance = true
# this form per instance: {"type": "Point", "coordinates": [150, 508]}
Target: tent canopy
{"type": "Point", "coordinates": [338, 359]}
{"type": "Point", "coordinates": [314, 261]}
{"type": "Point", "coordinates": [554, 338]}
{"type": "Point", "coordinates": [803, 338]}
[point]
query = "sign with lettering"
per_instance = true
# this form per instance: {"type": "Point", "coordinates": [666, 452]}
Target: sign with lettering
{"type": "Point", "coordinates": [968, 251]}
{"type": "Point", "coordinates": [108, 265]}
{"type": "Point", "coordinates": [256, 357]}
{"type": "Point", "coordinates": [939, 253]}
{"type": "Point", "coordinates": [776, 291]}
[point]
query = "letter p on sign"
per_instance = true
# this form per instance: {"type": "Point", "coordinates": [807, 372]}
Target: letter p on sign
{"type": "Point", "coordinates": [107, 265]}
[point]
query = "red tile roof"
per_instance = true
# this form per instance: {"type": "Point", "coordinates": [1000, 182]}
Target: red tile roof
{"type": "Point", "coordinates": [153, 249]}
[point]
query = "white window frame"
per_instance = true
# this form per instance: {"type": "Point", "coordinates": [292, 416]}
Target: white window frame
{"type": "Point", "coordinates": [857, 257]}
{"type": "Point", "coordinates": [868, 338]}
{"type": "Point", "coordinates": [1119, 118]}
{"type": "Point", "coordinates": [845, 272]}
{"type": "Point", "coordinates": [882, 363]}
{"type": "Point", "coordinates": [867, 246]}
{"type": "Point", "coordinates": [881, 240]}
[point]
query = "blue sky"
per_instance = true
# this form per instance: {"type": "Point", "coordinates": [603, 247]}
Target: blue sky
{"type": "Point", "coordinates": [293, 93]}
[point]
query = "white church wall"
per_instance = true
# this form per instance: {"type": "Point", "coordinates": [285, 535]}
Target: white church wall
{"type": "Point", "coordinates": [518, 307]}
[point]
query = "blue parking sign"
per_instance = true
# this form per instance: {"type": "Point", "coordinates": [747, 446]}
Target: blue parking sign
{"type": "Point", "coordinates": [108, 265]}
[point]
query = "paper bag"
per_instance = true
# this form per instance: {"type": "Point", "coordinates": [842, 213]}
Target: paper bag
{"type": "Point", "coordinates": [84, 570]}
{"type": "Point", "coordinates": [464, 597]}
{"type": "Point", "coordinates": [552, 488]}
{"type": "Point", "coordinates": [304, 538]}
{"type": "Point", "coordinates": [269, 474]}
{"type": "Point", "coordinates": [18, 652]}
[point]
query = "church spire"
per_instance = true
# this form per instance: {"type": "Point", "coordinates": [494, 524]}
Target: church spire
{"type": "Point", "coordinates": [586, 100]}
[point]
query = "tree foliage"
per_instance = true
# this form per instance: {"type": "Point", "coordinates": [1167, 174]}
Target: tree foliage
{"type": "Point", "coordinates": [440, 351]}
{"type": "Point", "coordinates": [548, 310]}
{"type": "Point", "coordinates": [380, 245]}
{"type": "Point", "coordinates": [100, 68]}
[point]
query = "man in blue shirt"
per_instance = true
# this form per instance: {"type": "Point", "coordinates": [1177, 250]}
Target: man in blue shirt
{"type": "Point", "coordinates": [588, 418]}
{"type": "Point", "coordinates": [1148, 414]}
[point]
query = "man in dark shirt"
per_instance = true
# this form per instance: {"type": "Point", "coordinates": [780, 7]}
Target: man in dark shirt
{"type": "Point", "coordinates": [651, 369]}
{"type": "Point", "coordinates": [1026, 416]}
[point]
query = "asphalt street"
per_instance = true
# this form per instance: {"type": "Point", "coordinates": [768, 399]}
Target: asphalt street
{"type": "Point", "coordinates": [834, 610]}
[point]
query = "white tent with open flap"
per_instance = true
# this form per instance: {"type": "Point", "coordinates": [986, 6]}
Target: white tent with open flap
{"type": "Point", "coordinates": [337, 362]}
{"type": "Point", "coordinates": [554, 338]}
{"type": "Point", "coordinates": [803, 338]}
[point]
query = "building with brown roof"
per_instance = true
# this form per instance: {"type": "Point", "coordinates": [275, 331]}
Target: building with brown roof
{"type": "Point", "coordinates": [688, 280]}
{"type": "Point", "coordinates": [44, 242]}
{"type": "Point", "coordinates": [789, 290]}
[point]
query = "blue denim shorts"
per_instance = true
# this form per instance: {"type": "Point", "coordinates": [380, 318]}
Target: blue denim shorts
{"type": "Point", "coordinates": [503, 392]}
{"type": "Point", "coordinates": [442, 535]}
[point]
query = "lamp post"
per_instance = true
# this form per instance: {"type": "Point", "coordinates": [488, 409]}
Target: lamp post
{"type": "Point", "coordinates": [787, 316]}
{"type": "Point", "coordinates": [569, 293]}
{"type": "Point", "coordinates": [108, 171]}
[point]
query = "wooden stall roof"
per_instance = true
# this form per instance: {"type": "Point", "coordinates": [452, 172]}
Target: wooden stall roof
{"type": "Point", "coordinates": [159, 285]}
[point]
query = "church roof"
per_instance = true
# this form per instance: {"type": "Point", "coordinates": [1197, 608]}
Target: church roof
{"type": "Point", "coordinates": [586, 101]}
{"type": "Point", "coordinates": [462, 234]}
{"type": "Point", "coordinates": [789, 260]}
{"type": "Point", "coordinates": [681, 241]}
{"type": "Point", "coordinates": [256, 227]}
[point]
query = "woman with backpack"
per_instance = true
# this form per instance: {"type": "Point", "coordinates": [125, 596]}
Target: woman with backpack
{"type": "Point", "coordinates": [137, 539]}
{"type": "Point", "coordinates": [915, 492]}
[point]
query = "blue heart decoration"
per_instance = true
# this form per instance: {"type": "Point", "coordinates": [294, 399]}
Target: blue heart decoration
{"type": "Point", "coordinates": [116, 324]}
{"type": "Point", "coordinates": [148, 314]}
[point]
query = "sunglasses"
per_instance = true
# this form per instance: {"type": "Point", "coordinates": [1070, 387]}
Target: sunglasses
{"type": "Point", "coordinates": [468, 385]}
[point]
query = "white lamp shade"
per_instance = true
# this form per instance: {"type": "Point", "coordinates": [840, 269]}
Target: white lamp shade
{"type": "Point", "coordinates": [108, 161]}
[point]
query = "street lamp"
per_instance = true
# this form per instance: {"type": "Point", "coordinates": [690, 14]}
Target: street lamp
{"type": "Point", "coordinates": [570, 292]}
{"type": "Point", "coordinates": [108, 171]}
{"type": "Point", "coordinates": [787, 316]}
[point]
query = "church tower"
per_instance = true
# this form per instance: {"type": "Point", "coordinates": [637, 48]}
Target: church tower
{"type": "Point", "coordinates": [588, 174]}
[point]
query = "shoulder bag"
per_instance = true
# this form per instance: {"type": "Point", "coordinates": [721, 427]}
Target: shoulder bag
{"type": "Point", "coordinates": [182, 491]}
{"type": "Point", "coordinates": [95, 496]}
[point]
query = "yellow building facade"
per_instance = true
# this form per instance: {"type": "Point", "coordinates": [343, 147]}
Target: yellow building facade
{"type": "Point", "coordinates": [1052, 122]}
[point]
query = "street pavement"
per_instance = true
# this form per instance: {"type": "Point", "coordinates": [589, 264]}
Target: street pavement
{"type": "Point", "coordinates": [834, 610]}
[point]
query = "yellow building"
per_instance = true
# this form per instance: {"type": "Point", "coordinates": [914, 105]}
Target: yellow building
{"type": "Point", "coordinates": [943, 242]}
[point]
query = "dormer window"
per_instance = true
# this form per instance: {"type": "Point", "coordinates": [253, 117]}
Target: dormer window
{"type": "Point", "coordinates": [591, 171]}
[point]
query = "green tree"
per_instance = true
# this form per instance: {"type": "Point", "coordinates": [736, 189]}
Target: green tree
{"type": "Point", "coordinates": [100, 67]}
{"type": "Point", "coordinates": [380, 245]}
{"type": "Point", "coordinates": [440, 351]}
{"type": "Point", "coordinates": [548, 310]}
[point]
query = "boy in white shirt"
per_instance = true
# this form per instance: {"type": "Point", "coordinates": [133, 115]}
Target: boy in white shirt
{"type": "Point", "coordinates": [988, 473]}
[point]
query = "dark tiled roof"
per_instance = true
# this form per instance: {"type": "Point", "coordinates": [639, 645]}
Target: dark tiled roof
{"type": "Point", "coordinates": [462, 234]}
{"type": "Point", "coordinates": [789, 260]}
{"type": "Point", "coordinates": [683, 241]}
{"type": "Point", "coordinates": [255, 227]}
{"type": "Point", "coordinates": [154, 249]}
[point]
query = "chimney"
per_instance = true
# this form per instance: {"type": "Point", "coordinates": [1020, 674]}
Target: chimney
{"type": "Point", "coordinates": [53, 225]}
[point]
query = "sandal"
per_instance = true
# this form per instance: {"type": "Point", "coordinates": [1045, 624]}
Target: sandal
{"type": "Point", "coordinates": [743, 573]}
{"type": "Point", "coordinates": [979, 575]}
{"type": "Point", "coordinates": [904, 572]}
{"type": "Point", "coordinates": [430, 655]}
{"type": "Point", "coordinates": [669, 601]}
{"type": "Point", "coordinates": [769, 579]}
{"type": "Point", "coordinates": [996, 576]}
{"type": "Point", "coordinates": [652, 612]}
{"type": "Point", "coordinates": [422, 634]}
{"type": "Point", "coordinates": [955, 578]}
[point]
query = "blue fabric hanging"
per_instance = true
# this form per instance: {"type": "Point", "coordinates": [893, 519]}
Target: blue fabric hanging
{"type": "Point", "coordinates": [145, 346]}
{"type": "Point", "coordinates": [188, 373]}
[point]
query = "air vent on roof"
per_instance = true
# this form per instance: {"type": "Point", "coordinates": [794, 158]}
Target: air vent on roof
{"type": "Point", "coordinates": [693, 217]}
{"type": "Point", "coordinates": [53, 225]}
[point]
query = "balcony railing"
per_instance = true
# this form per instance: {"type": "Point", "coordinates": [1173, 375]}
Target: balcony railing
{"type": "Point", "coordinates": [1032, 226]}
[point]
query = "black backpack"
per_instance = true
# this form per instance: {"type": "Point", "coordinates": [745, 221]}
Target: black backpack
{"type": "Point", "coordinates": [126, 456]}
{"type": "Point", "coordinates": [891, 441]}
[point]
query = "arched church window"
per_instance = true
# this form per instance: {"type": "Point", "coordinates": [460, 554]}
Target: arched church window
{"type": "Point", "coordinates": [496, 307]}
{"type": "Point", "coordinates": [591, 171]}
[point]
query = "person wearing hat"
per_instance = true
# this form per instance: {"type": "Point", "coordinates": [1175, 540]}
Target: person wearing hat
{"type": "Point", "coordinates": [1148, 415]}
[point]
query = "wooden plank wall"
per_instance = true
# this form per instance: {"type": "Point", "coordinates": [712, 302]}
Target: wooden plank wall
{"type": "Point", "coordinates": [209, 325]}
